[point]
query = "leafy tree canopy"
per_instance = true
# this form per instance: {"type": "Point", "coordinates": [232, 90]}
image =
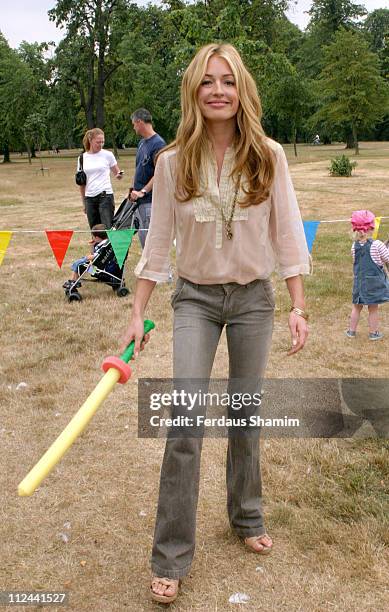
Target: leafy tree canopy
{"type": "Point", "coordinates": [353, 91]}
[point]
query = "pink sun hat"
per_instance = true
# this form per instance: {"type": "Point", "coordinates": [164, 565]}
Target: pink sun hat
{"type": "Point", "coordinates": [362, 220]}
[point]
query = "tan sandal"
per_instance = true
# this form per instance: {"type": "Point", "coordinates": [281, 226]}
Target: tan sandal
{"type": "Point", "coordinates": [265, 550]}
{"type": "Point", "coordinates": [168, 582]}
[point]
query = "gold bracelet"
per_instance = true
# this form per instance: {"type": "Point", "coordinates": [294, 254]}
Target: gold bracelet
{"type": "Point", "coordinates": [300, 312]}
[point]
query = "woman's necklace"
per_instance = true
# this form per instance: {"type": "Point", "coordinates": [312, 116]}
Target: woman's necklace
{"type": "Point", "coordinates": [228, 222]}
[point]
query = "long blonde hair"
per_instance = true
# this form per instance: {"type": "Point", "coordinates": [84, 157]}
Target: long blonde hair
{"type": "Point", "coordinates": [90, 135]}
{"type": "Point", "coordinates": [253, 159]}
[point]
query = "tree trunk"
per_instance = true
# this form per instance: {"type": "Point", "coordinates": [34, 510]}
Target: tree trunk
{"type": "Point", "coordinates": [90, 121]}
{"type": "Point", "coordinates": [295, 142]}
{"type": "Point", "coordinates": [89, 108]}
{"type": "Point", "coordinates": [115, 148]}
{"type": "Point", "coordinates": [40, 158]}
{"type": "Point", "coordinates": [87, 105]}
{"type": "Point", "coordinates": [350, 142]}
{"type": "Point", "coordinates": [6, 158]}
{"type": "Point", "coordinates": [28, 152]}
{"type": "Point", "coordinates": [100, 103]}
{"type": "Point", "coordinates": [33, 155]}
{"type": "Point", "coordinates": [355, 137]}
{"type": "Point", "coordinates": [102, 33]}
{"type": "Point", "coordinates": [100, 87]}
{"type": "Point", "coordinates": [90, 104]}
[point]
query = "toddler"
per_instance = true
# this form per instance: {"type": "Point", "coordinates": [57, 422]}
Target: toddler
{"type": "Point", "coordinates": [99, 235]}
{"type": "Point", "coordinates": [371, 284]}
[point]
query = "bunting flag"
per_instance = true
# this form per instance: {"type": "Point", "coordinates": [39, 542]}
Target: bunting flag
{"type": "Point", "coordinates": [59, 242]}
{"type": "Point", "coordinates": [310, 229]}
{"type": "Point", "coordinates": [121, 242]}
{"type": "Point", "coordinates": [5, 237]}
{"type": "Point", "coordinates": [377, 222]}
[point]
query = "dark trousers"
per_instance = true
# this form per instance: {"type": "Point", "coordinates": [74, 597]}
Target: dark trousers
{"type": "Point", "coordinates": [100, 209]}
{"type": "Point", "coordinates": [200, 313]}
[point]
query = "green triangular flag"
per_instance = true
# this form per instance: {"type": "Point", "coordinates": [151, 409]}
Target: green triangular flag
{"type": "Point", "coordinates": [121, 242]}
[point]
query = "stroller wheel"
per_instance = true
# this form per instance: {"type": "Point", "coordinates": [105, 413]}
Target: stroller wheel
{"type": "Point", "coordinates": [122, 292]}
{"type": "Point", "coordinates": [74, 297]}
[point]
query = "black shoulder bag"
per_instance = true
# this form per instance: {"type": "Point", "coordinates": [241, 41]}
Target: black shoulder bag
{"type": "Point", "coordinates": [80, 174]}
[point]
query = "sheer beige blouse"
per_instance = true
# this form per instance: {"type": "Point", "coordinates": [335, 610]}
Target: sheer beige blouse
{"type": "Point", "coordinates": [267, 236]}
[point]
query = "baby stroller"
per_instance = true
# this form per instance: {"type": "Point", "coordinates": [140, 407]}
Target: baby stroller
{"type": "Point", "coordinates": [104, 267]}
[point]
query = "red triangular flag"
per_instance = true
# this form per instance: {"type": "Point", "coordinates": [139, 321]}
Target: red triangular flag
{"type": "Point", "coordinates": [59, 242]}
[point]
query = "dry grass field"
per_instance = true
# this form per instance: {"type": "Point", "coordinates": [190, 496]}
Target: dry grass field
{"type": "Point", "coordinates": [88, 529]}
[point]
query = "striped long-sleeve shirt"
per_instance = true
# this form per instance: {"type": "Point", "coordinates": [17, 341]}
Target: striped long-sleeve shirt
{"type": "Point", "coordinates": [379, 252]}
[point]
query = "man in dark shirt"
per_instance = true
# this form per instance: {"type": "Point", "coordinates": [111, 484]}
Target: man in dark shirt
{"type": "Point", "coordinates": [147, 150]}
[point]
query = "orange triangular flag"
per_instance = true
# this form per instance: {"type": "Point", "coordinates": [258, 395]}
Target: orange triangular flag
{"type": "Point", "coordinates": [5, 237]}
{"type": "Point", "coordinates": [59, 242]}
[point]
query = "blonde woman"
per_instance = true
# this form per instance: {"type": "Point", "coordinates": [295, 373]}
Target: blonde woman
{"type": "Point", "coordinates": [97, 195]}
{"type": "Point", "coordinates": [223, 191]}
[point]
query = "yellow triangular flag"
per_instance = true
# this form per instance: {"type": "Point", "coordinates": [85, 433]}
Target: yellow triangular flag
{"type": "Point", "coordinates": [5, 237]}
{"type": "Point", "coordinates": [377, 222]}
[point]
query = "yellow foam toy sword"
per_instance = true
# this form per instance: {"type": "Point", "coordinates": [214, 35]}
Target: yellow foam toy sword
{"type": "Point", "coordinates": [116, 370]}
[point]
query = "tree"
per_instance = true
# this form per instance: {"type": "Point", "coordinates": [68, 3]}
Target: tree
{"type": "Point", "coordinates": [65, 118]}
{"type": "Point", "coordinates": [289, 39]}
{"type": "Point", "coordinates": [292, 100]}
{"type": "Point", "coordinates": [35, 132]}
{"type": "Point", "coordinates": [86, 57]}
{"type": "Point", "coordinates": [16, 85]}
{"type": "Point", "coordinates": [34, 56]}
{"type": "Point", "coordinates": [261, 18]}
{"type": "Point", "coordinates": [384, 55]}
{"type": "Point", "coordinates": [354, 93]}
{"type": "Point", "coordinates": [326, 17]}
{"type": "Point", "coordinates": [331, 15]}
{"type": "Point", "coordinates": [376, 27]}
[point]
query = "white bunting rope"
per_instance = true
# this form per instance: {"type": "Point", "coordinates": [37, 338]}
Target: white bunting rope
{"type": "Point", "coordinates": [67, 230]}
{"type": "Point", "coordinates": [78, 231]}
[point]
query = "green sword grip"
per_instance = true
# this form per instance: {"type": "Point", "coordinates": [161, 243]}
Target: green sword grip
{"type": "Point", "coordinates": [126, 356]}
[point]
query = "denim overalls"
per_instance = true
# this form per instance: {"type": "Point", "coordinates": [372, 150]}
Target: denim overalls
{"type": "Point", "coordinates": [371, 285]}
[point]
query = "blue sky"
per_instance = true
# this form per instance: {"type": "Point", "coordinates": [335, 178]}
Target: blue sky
{"type": "Point", "coordinates": [28, 20]}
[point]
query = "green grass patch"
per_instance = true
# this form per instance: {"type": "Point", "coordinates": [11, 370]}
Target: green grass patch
{"type": "Point", "coordinates": [10, 201]}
